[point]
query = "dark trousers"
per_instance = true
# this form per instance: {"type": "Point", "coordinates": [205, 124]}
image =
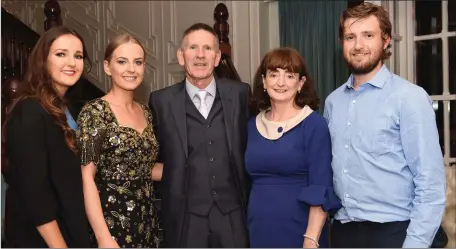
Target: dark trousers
{"type": "Point", "coordinates": [215, 230]}
{"type": "Point", "coordinates": [368, 234]}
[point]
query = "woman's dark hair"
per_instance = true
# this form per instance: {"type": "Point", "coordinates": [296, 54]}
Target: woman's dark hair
{"type": "Point", "coordinates": [290, 60]}
{"type": "Point", "coordinates": [38, 83]}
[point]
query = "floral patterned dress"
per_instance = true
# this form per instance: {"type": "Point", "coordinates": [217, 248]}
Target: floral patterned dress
{"type": "Point", "coordinates": [123, 158]}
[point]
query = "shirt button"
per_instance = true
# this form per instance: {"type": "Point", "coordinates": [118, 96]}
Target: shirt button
{"type": "Point", "coordinates": [213, 177]}
{"type": "Point", "coordinates": [346, 146]}
{"type": "Point", "coordinates": [345, 171]}
{"type": "Point", "coordinates": [210, 142]}
{"type": "Point", "coordinates": [211, 159]}
{"type": "Point", "coordinates": [208, 126]}
{"type": "Point", "coordinates": [347, 195]}
{"type": "Point", "coordinates": [348, 123]}
{"type": "Point", "coordinates": [354, 101]}
{"type": "Point", "coordinates": [214, 193]}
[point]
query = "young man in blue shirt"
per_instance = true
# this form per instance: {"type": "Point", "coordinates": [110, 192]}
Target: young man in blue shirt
{"type": "Point", "coordinates": [387, 162]}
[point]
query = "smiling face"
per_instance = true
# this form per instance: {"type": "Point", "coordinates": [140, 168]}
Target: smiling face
{"type": "Point", "coordinates": [363, 44]}
{"type": "Point", "coordinates": [282, 85]}
{"type": "Point", "coordinates": [126, 66]}
{"type": "Point", "coordinates": [65, 62]}
{"type": "Point", "coordinates": [199, 56]}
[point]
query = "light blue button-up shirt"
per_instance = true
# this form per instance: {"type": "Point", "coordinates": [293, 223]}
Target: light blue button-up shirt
{"type": "Point", "coordinates": [387, 162]}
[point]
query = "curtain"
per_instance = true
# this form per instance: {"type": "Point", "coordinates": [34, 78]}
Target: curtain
{"type": "Point", "coordinates": [312, 28]}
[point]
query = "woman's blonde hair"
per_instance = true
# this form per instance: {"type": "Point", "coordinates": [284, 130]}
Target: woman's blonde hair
{"type": "Point", "coordinates": [120, 40]}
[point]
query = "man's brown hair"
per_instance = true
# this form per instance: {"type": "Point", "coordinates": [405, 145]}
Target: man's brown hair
{"type": "Point", "coordinates": [365, 10]}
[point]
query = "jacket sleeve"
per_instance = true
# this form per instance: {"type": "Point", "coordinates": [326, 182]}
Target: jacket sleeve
{"type": "Point", "coordinates": [28, 156]}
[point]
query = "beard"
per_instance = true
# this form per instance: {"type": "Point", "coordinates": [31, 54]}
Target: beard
{"type": "Point", "coordinates": [366, 66]}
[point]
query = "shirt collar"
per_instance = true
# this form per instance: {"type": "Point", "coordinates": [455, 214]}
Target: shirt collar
{"type": "Point", "coordinates": [70, 120]}
{"type": "Point", "coordinates": [378, 80]}
{"type": "Point", "coordinates": [192, 90]}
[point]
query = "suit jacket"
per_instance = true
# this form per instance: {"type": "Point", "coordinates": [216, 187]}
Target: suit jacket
{"type": "Point", "coordinates": [169, 120]}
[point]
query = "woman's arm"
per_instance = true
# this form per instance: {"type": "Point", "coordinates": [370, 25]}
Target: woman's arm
{"type": "Point", "coordinates": [52, 235]}
{"type": "Point", "coordinates": [157, 172]}
{"type": "Point", "coordinates": [319, 195]}
{"type": "Point", "coordinates": [89, 144]}
{"type": "Point", "coordinates": [93, 208]}
{"type": "Point", "coordinates": [27, 152]}
{"type": "Point", "coordinates": [317, 219]}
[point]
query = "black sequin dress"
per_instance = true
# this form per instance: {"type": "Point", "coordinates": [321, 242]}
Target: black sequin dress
{"type": "Point", "coordinates": [124, 158]}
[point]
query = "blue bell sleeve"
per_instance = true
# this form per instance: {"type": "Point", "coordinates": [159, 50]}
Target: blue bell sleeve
{"type": "Point", "coordinates": [320, 191]}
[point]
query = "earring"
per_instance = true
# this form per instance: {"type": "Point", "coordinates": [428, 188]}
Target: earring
{"type": "Point", "coordinates": [264, 89]}
{"type": "Point", "coordinates": [299, 91]}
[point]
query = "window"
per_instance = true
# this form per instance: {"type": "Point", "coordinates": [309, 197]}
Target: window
{"type": "Point", "coordinates": [425, 53]}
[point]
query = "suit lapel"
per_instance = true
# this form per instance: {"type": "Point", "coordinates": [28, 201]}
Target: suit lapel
{"type": "Point", "coordinates": [228, 109]}
{"type": "Point", "coordinates": [178, 108]}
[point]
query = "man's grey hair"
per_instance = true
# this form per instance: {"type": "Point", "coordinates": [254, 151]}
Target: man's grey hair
{"type": "Point", "coordinates": [196, 27]}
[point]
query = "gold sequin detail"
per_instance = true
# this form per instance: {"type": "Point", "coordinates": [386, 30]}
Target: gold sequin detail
{"type": "Point", "coordinates": [123, 158]}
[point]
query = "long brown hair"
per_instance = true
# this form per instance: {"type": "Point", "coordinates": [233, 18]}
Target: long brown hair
{"type": "Point", "coordinates": [288, 59]}
{"type": "Point", "coordinates": [38, 82]}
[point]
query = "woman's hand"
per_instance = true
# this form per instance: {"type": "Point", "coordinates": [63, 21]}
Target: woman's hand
{"type": "Point", "coordinates": [157, 172]}
{"type": "Point", "coordinates": [317, 219]}
{"type": "Point", "coordinates": [109, 242]}
{"type": "Point", "coordinates": [309, 244]}
{"type": "Point", "coordinates": [93, 207]}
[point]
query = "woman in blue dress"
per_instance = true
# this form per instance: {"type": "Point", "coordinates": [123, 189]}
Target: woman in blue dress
{"type": "Point", "coordinates": [288, 157]}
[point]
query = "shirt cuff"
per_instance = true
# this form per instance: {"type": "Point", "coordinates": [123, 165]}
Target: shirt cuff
{"type": "Point", "coordinates": [413, 243]}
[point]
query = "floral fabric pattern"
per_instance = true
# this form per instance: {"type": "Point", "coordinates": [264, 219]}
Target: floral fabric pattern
{"type": "Point", "coordinates": [124, 158]}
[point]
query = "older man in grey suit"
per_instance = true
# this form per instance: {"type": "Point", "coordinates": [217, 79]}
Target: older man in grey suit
{"type": "Point", "coordinates": [201, 124]}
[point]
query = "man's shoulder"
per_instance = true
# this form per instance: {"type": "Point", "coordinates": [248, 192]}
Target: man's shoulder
{"type": "Point", "coordinates": [402, 83]}
{"type": "Point", "coordinates": [336, 93]}
{"type": "Point", "coordinates": [158, 94]}
{"type": "Point", "coordinates": [407, 89]}
{"type": "Point", "coordinates": [234, 84]}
